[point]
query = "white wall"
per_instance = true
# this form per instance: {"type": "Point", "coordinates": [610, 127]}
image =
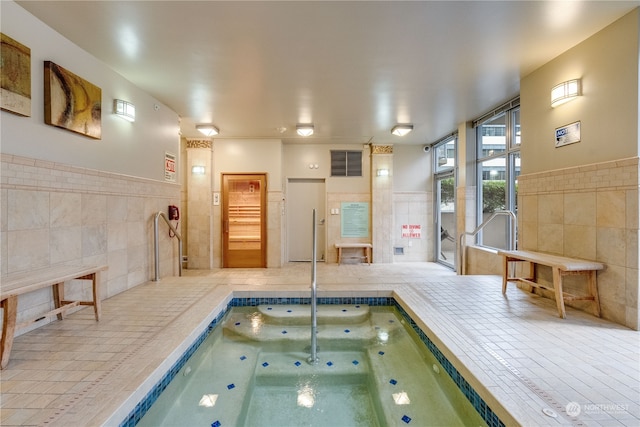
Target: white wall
{"type": "Point", "coordinates": [248, 156]}
{"type": "Point", "coordinates": [297, 157]}
{"type": "Point", "coordinates": [581, 200]}
{"type": "Point", "coordinates": [135, 149]}
{"type": "Point", "coordinates": [412, 169]}
{"type": "Point", "coordinates": [607, 63]}
{"type": "Point", "coordinates": [69, 199]}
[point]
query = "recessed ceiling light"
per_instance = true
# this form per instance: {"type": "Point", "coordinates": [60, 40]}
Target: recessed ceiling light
{"type": "Point", "coordinates": [304, 130]}
{"type": "Point", "coordinates": [402, 130]}
{"type": "Point", "coordinates": [207, 130]}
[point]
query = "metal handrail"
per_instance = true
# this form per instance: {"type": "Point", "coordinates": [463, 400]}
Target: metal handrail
{"type": "Point", "coordinates": [157, 245]}
{"type": "Point", "coordinates": [511, 243]}
{"type": "Point", "coordinates": [313, 358]}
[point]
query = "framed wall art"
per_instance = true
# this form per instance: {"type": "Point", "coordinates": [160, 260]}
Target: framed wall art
{"type": "Point", "coordinates": [15, 80]}
{"type": "Point", "coordinates": [71, 102]}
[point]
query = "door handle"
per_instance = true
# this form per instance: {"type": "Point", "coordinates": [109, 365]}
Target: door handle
{"type": "Point", "coordinates": [322, 221]}
{"type": "Point", "coordinates": [226, 226]}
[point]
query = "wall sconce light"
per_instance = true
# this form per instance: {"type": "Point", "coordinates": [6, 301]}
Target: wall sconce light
{"type": "Point", "coordinates": [382, 172]}
{"type": "Point", "coordinates": [124, 109]}
{"type": "Point", "coordinates": [401, 130]}
{"type": "Point", "coordinates": [313, 166]}
{"type": "Point", "coordinates": [304, 130]}
{"type": "Point", "coordinates": [207, 130]}
{"type": "Point", "coordinates": [565, 92]}
{"type": "Point", "coordinates": [197, 170]}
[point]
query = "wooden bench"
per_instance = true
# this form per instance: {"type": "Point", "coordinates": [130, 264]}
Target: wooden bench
{"type": "Point", "coordinates": [16, 284]}
{"type": "Point", "coordinates": [560, 266]}
{"type": "Point", "coordinates": [367, 247]}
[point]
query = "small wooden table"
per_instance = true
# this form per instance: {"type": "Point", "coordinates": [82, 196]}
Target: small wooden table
{"type": "Point", "coordinates": [560, 266]}
{"type": "Point", "coordinates": [25, 282]}
{"type": "Point", "coordinates": [367, 247]}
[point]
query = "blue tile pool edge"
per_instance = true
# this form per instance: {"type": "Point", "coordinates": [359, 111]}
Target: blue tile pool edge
{"type": "Point", "coordinates": [478, 403]}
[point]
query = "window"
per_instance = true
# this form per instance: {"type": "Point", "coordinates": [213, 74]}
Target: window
{"type": "Point", "coordinates": [445, 154]}
{"type": "Point", "coordinates": [346, 163]}
{"type": "Point", "coordinates": [444, 165]}
{"type": "Point", "coordinates": [498, 168]}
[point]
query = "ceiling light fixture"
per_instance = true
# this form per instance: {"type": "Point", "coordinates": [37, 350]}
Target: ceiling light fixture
{"type": "Point", "coordinates": [304, 130]}
{"type": "Point", "coordinates": [401, 130]}
{"type": "Point", "coordinates": [207, 130]}
{"type": "Point", "coordinates": [565, 92]}
{"type": "Point", "coordinates": [124, 109]}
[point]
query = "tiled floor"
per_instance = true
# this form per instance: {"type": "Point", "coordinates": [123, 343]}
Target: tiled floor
{"type": "Point", "coordinates": [514, 351]}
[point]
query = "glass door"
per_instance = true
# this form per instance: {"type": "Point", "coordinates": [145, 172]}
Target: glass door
{"type": "Point", "coordinates": [445, 198]}
{"type": "Point", "coordinates": [446, 219]}
{"type": "Point", "coordinates": [244, 220]}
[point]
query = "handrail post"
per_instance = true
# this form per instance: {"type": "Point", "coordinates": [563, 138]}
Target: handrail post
{"type": "Point", "coordinates": [156, 244]}
{"type": "Point", "coordinates": [511, 242]}
{"type": "Point", "coordinates": [313, 358]}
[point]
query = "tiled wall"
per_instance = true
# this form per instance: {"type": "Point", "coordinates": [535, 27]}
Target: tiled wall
{"type": "Point", "coordinates": [52, 213]}
{"type": "Point", "coordinates": [334, 201]}
{"type": "Point", "coordinates": [588, 212]}
{"type": "Point", "coordinates": [413, 208]}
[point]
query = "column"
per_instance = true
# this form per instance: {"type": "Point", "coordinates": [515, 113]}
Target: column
{"type": "Point", "coordinates": [382, 203]}
{"type": "Point", "coordinates": [199, 204]}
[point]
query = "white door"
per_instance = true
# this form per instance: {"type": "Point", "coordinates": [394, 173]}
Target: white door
{"type": "Point", "coordinates": [304, 195]}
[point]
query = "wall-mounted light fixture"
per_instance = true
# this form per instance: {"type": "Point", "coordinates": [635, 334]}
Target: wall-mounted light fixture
{"type": "Point", "coordinates": [401, 130]}
{"type": "Point", "coordinates": [304, 129]}
{"type": "Point", "coordinates": [124, 109]}
{"type": "Point", "coordinates": [565, 92]}
{"type": "Point", "coordinates": [382, 172]}
{"type": "Point", "coordinates": [207, 130]}
{"type": "Point", "coordinates": [197, 170]}
{"type": "Point", "coordinates": [313, 166]}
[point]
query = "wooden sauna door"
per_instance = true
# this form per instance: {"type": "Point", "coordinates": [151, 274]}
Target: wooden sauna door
{"type": "Point", "coordinates": [244, 213]}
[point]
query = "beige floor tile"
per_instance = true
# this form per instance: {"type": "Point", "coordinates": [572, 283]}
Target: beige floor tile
{"type": "Point", "coordinates": [80, 372]}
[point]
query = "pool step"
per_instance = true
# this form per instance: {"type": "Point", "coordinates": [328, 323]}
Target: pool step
{"type": "Point", "coordinates": [327, 314]}
{"type": "Point", "coordinates": [376, 327]}
{"type": "Point", "coordinates": [283, 369]}
{"type": "Point", "coordinates": [216, 379]}
{"type": "Point", "coordinates": [335, 391]}
{"type": "Point", "coordinates": [407, 394]}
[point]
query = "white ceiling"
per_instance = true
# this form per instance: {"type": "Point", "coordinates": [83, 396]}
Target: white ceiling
{"type": "Point", "coordinates": [353, 68]}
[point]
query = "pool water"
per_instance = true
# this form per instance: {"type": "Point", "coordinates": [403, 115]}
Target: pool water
{"type": "Point", "coordinates": [252, 370]}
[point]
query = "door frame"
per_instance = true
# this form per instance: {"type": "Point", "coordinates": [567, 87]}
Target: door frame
{"type": "Point", "coordinates": [321, 251]}
{"type": "Point", "coordinates": [262, 176]}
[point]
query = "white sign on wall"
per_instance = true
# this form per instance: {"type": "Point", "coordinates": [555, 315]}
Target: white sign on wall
{"type": "Point", "coordinates": [354, 221]}
{"type": "Point", "coordinates": [412, 231]}
{"type": "Point", "coordinates": [568, 134]}
{"type": "Point", "coordinates": [169, 167]}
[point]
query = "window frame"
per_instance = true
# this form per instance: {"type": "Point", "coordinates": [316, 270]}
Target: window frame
{"type": "Point", "coordinates": [511, 113]}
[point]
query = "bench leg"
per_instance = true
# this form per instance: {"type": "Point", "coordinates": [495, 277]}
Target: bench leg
{"type": "Point", "coordinates": [58, 296]}
{"type": "Point", "coordinates": [533, 275]}
{"type": "Point", "coordinates": [367, 251]}
{"type": "Point", "coordinates": [593, 290]}
{"type": "Point", "coordinates": [505, 274]}
{"type": "Point", "coordinates": [557, 286]}
{"type": "Point", "coordinates": [96, 294]}
{"type": "Point", "coordinates": [339, 255]}
{"type": "Point", "coordinates": [10, 311]}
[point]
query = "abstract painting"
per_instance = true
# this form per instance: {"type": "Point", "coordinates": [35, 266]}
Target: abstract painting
{"type": "Point", "coordinates": [15, 80]}
{"type": "Point", "coordinates": [71, 102]}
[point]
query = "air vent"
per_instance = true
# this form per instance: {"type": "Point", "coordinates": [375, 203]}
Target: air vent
{"type": "Point", "coordinates": [346, 163]}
